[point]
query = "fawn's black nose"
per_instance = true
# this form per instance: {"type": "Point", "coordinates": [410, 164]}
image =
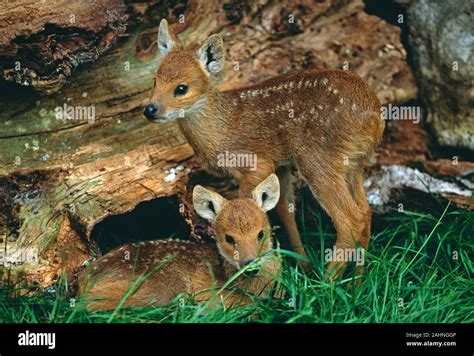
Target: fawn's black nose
{"type": "Point", "coordinates": [150, 111]}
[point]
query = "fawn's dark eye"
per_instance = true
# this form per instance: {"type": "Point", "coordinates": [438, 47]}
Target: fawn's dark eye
{"type": "Point", "coordinates": [229, 239]}
{"type": "Point", "coordinates": [181, 90]}
{"type": "Point", "coordinates": [261, 235]}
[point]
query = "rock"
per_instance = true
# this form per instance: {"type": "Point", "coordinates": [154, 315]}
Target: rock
{"type": "Point", "coordinates": [442, 38]}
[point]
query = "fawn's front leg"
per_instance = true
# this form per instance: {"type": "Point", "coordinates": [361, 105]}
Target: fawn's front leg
{"type": "Point", "coordinates": [286, 211]}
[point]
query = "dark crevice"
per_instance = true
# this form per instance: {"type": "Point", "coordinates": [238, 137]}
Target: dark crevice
{"type": "Point", "coordinates": [60, 40]}
{"type": "Point", "coordinates": [155, 219]}
{"type": "Point", "coordinates": [167, 9]}
{"type": "Point", "coordinates": [56, 51]}
{"type": "Point", "coordinates": [235, 10]}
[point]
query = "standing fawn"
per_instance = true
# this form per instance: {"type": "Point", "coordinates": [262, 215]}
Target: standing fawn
{"type": "Point", "coordinates": [243, 236]}
{"type": "Point", "coordinates": [325, 123]}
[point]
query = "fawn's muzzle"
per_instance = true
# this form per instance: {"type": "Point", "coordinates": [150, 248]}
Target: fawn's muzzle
{"type": "Point", "coordinates": [249, 272]}
{"type": "Point", "coordinates": [153, 112]}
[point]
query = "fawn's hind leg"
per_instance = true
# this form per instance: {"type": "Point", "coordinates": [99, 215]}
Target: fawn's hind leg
{"type": "Point", "coordinates": [356, 187]}
{"type": "Point", "coordinates": [334, 196]}
{"type": "Point", "coordinates": [286, 211]}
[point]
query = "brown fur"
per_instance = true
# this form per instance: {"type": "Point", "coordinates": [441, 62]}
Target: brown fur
{"type": "Point", "coordinates": [196, 269]}
{"type": "Point", "coordinates": [332, 135]}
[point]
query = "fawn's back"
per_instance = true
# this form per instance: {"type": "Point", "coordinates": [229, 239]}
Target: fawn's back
{"type": "Point", "coordinates": [322, 111]}
{"type": "Point", "coordinates": [174, 266]}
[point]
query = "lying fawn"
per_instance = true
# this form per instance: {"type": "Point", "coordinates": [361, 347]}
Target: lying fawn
{"type": "Point", "coordinates": [325, 123]}
{"type": "Point", "coordinates": [243, 233]}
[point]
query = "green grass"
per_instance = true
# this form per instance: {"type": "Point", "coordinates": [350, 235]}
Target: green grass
{"type": "Point", "coordinates": [419, 268]}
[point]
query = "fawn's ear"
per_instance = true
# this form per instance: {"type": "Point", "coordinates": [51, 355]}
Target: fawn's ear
{"type": "Point", "coordinates": [211, 54]}
{"type": "Point", "coordinates": [207, 203]}
{"type": "Point", "coordinates": [167, 40]}
{"type": "Point", "coordinates": [267, 193]}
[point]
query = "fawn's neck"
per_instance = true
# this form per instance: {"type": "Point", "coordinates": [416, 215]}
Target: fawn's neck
{"type": "Point", "coordinates": [205, 128]}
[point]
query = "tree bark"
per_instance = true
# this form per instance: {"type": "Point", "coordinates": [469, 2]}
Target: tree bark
{"type": "Point", "coordinates": [42, 42]}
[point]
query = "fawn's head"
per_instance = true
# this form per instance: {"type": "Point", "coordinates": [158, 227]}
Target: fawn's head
{"type": "Point", "coordinates": [182, 81]}
{"type": "Point", "coordinates": [242, 228]}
